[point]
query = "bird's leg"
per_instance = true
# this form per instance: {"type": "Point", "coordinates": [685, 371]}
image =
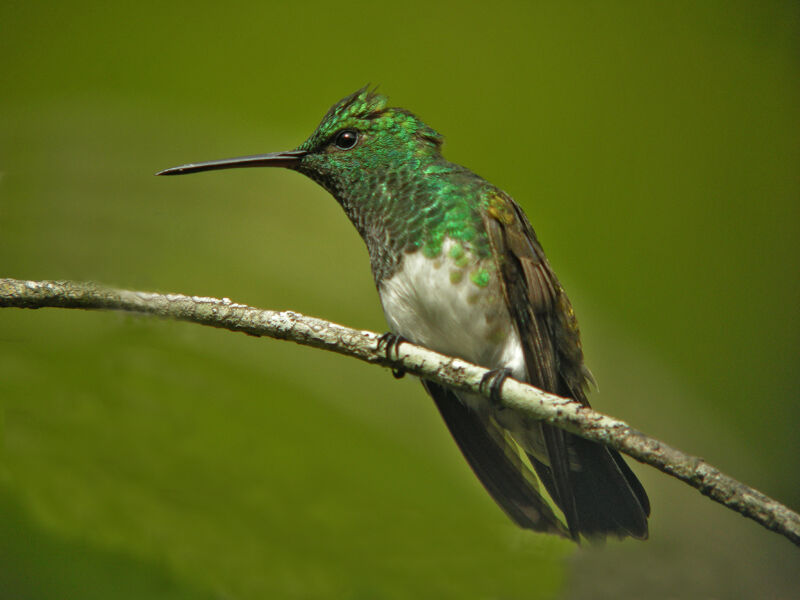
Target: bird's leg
{"type": "Point", "coordinates": [493, 383]}
{"type": "Point", "coordinates": [391, 342]}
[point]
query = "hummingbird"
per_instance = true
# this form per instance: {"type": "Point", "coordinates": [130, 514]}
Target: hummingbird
{"type": "Point", "coordinates": [460, 270]}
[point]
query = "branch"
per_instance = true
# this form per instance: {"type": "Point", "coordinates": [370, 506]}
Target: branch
{"type": "Point", "coordinates": [458, 374]}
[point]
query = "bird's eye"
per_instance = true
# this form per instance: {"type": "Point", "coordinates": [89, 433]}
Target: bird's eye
{"type": "Point", "coordinates": [346, 139]}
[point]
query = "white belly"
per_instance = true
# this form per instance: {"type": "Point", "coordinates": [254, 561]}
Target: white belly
{"type": "Point", "coordinates": [436, 303]}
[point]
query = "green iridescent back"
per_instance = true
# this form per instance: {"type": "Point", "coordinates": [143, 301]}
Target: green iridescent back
{"type": "Point", "coordinates": [395, 186]}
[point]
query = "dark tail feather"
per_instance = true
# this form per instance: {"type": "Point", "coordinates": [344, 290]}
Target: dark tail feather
{"type": "Point", "coordinates": [495, 463]}
{"type": "Point", "coordinates": [607, 497]}
{"type": "Point", "coordinates": [559, 482]}
{"type": "Point", "coordinates": [632, 480]}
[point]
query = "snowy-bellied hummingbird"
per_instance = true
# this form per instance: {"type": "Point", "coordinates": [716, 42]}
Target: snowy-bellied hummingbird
{"type": "Point", "coordinates": [459, 270]}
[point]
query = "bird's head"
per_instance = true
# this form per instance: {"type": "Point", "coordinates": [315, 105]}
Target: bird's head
{"type": "Point", "coordinates": [360, 135]}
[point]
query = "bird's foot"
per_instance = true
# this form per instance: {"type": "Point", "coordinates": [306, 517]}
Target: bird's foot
{"type": "Point", "coordinates": [492, 383]}
{"type": "Point", "coordinates": [390, 342]}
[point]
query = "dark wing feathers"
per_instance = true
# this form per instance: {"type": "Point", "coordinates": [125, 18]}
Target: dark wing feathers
{"type": "Point", "coordinates": [595, 489]}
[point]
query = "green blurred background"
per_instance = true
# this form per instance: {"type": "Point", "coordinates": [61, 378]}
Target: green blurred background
{"type": "Point", "coordinates": [656, 151]}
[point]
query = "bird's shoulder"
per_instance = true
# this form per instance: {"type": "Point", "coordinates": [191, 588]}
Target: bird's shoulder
{"type": "Point", "coordinates": [521, 256]}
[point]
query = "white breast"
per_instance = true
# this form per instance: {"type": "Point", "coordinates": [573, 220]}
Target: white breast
{"type": "Point", "coordinates": [435, 302]}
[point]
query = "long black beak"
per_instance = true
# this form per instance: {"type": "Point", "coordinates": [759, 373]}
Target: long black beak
{"type": "Point", "coordinates": [275, 159]}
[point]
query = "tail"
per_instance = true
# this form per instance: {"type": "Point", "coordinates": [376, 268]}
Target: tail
{"type": "Point", "coordinates": [601, 496]}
